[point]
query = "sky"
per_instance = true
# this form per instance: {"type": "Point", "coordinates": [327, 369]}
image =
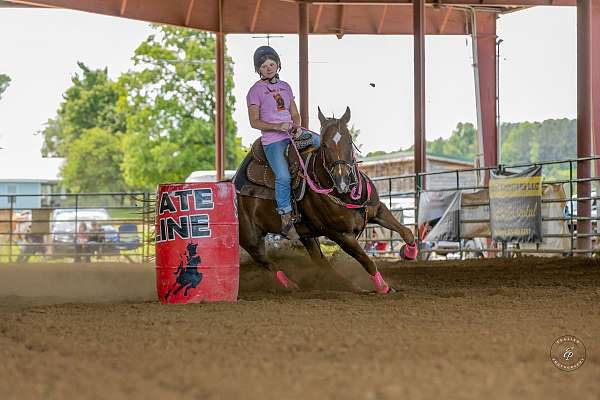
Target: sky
{"type": "Point", "coordinates": [39, 50]}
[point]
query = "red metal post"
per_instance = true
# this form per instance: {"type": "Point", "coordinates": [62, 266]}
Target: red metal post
{"type": "Point", "coordinates": [220, 101]}
{"type": "Point", "coordinates": [486, 63]}
{"type": "Point", "coordinates": [303, 14]}
{"type": "Point", "coordinates": [596, 86]}
{"type": "Point", "coordinates": [584, 119]}
{"type": "Point", "coordinates": [419, 80]}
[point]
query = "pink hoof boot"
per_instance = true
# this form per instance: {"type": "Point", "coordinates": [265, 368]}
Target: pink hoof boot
{"type": "Point", "coordinates": [409, 251]}
{"type": "Point", "coordinates": [282, 279]}
{"type": "Point", "coordinates": [381, 286]}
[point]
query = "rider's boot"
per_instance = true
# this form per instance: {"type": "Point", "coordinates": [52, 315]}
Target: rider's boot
{"type": "Point", "coordinates": [287, 227]}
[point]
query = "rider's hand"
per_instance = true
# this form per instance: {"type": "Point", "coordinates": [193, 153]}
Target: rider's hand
{"type": "Point", "coordinates": [284, 126]}
{"type": "Point", "coordinates": [297, 132]}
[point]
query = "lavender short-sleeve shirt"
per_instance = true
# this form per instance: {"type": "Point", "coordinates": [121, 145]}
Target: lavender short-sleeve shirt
{"type": "Point", "coordinates": [273, 100]}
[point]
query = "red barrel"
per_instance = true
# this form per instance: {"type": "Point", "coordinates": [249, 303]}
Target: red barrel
{"type": "Point", "coordinates": [197, 243]}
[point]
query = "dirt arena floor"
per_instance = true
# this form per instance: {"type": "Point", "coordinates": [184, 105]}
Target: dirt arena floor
{"type": "Point", "coordinates": [455, 330]}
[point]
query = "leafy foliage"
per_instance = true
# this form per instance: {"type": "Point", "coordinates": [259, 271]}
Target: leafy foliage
{"type": "Point", "coordinates": [153, 124]}
{"type": "Point", "coordinates": [462, 143]}
{"type": "Point", "coordinates": [4, 82]}
{"type": "Point", "coordinates": [170, 108]}
{"type": "Point", "coordinates": [376, 153]}
{"type": "Point", "coordinates": [89, 103]}
{"type": "Point", "coordinates": [550, 140]}
{"type": "Point", "coordinates": [93, 163]}
{"type": "Point", "coordinates": [354, 133]}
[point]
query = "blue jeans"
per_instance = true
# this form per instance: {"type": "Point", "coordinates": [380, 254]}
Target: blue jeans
{"type": "Point", "coordinates": [275, 153]}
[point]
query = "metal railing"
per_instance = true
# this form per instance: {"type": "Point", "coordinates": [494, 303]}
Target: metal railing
{"type": "Point", "coordinates": [76, 227]}
{"type": "Point", "coordinates": [409, 215]}
{"type": "Point", "coordinates": [119, 226]}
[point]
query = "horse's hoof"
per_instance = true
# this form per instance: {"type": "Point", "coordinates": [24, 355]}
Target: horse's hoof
{"type": "Point", "coordinates": [391, 290]}
{"type": "Point", "coordinates": [380, 284]}
{"type": "Point", "coordinates": [408, 252]}
{"type": "Point", "coordinates": [293, 286]}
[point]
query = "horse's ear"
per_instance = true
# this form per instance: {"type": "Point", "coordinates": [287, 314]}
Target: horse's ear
{"type": "Point", "coordinates": [321, 116]}
{"type": "Point", "coordinates": [346, 117]}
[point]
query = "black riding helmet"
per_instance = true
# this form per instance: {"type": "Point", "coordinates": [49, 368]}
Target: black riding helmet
{"type": "Point", "coordinates": [264, 53]}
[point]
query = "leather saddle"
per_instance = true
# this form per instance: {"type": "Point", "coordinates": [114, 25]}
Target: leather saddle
{"type": "Point", "coordinates": [255, 178]}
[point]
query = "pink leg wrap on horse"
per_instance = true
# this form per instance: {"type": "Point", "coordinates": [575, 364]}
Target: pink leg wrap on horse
{"type": "Point", "coordinates": [381, 286]}
{"type": "Point", "coordinates": [282, 279]}
{"type": "Point", "coordinates": [410, 251]}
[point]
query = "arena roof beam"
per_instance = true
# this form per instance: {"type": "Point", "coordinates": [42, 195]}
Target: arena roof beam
{"type": "Point", "coordinates": [279, 16]}
{"type": "Point", "coordinates": [445, 20]}
{"type": "Point", "coordinates": [317, 19]}
{"type": "Point", "coordinates": [255, 16]}
{"type": "Point", "coordinates": [188, 14]}
{"type": "Point", "coordinates": [382, 20]}
{"type": "Point", "coordinates": [488, 3]}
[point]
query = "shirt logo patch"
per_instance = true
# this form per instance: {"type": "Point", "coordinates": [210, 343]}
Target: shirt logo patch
{"type": "Point", "coordinates": [279, 101]}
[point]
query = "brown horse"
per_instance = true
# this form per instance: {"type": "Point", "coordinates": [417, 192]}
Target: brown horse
{"type": "Point", "coordinates": [334, 167]}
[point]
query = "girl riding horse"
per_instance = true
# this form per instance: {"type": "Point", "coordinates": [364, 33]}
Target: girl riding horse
{"type": "Point", "coordinates": [273, 111]}
{"type": "Point", "coordinates": [341, 201]}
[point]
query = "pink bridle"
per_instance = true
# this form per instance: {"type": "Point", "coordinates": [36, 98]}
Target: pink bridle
{"type": "Point", "coordinates": [355, 193]}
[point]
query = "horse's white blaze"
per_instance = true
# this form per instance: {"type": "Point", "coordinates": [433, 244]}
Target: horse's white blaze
{"type": "Point", "coordinates": [337, 138]}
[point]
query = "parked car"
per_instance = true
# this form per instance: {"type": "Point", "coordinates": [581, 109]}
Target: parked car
{"type": "Point", "coordinates": [208, 175]}
{"type": "Point", "coordinates": [64, 223]}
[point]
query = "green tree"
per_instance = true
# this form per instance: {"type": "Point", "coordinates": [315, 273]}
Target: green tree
{"type": "Point", "coordinates": [550, 140]}
{"type": "Point", "coordinates": [93, 163]}
{"type": "Point", "coordinates": [521, 143]}
{"type": "Point", "coordinates": [376, 153]}
{"type": "Point", "coordinates": [171, 109]}
{"type": "Point", "coordinates": [89, 103]}
{"type": "Point", "coordinates": [558, 139]}
{"type": "Point", "coordinates": [462, 143]}
{"type": "Point", "coordinates": [354, 133]}
{"type": "Point", "coordinates": [4, 82]}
